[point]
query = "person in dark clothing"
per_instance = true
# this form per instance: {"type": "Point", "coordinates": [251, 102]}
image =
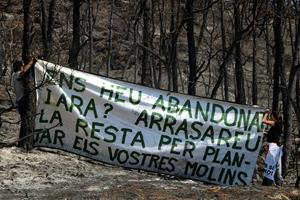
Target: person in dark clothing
{"type": "Point", "coordinates": [272, 170]}
{"type": "Point", "coordinates": [275, 131]}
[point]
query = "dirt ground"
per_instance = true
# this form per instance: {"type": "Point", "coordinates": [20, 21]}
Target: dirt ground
{"type": "Point", "coordinates": [48, 174]}
{"type": "Point", "coordinates": [51, 174]}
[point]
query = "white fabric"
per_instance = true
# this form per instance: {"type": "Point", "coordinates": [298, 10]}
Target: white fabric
{"type": "Point", "coordinates": [273, 161]}
{"type": "Point", "coordinates": [133, 126]}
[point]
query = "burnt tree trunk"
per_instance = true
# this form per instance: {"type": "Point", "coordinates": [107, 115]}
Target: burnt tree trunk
{"type": "Point", "coordinates": [254, 75]}
{"type": "Point", "coordinates": [74, 50]}
{"type": "Point", "coordinates": [279, 50]}
{"type": "Point", "coordinates": [223, 69]}
{"type": "Point", "coordinates": [27, 31]}
{"type": "Point", "coordinates": [223, 77]}
{"type": "Point", "coordinates": [27, 117]}
{"type": "Point", "coordinates": [191, 47]}
{"type": "Point", "coordinates": [47, 26]}
{"type": "Point", "coordinates": [173, 47]}
{"type": "Point", "coordinates": [146, 70]}
{"type": "Point", "coordinates": [239, 73]}
{"type": "Point", "coordinates": [44, 30]}
{"type": "Point", "coordinates": [91, 43]}
{"type": "Point", "coordinates": [297, 184]}
{"type": "Point", "coordinates": [110, 35]}
{"type": "Point", "coordinates": [51, 17]}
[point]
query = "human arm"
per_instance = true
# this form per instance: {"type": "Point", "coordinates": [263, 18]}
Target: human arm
{"type": "Point", "coordinates": [26, 67]}
{"type": "Point", "coordinates": [267, 121]}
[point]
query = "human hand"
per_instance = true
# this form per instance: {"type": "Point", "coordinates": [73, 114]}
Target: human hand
{"type": "Point", "coordinates": [268, 111]}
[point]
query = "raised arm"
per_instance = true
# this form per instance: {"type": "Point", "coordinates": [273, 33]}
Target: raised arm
{"type": "Point", "coordinates": [267, 121]}
{"type": "Point", "coordinates": [26, 67]}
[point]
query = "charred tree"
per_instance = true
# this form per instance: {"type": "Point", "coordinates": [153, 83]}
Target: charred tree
{"type": "Point", "coordinates": [223, 77]}
{"type": "Point", "coordinates": [239, 72]}
{"type": "Point", "coordinates": [91, 42]}
{"type": "Point", "coordinates": [279, 51]}
{"type": "Point", "coordinates": [146, 78]}
{"type": "Point", "coordinates": [254, 49]}
{"type": "Point", "coordinates": [27, 116]}
{"type": "Point", "coordinates": [223, 69]}
{"type": "Point", "coordinates": [75, 47]}
{"type": "Point", "coordinates": [47, 26]}
{"type": "Point", "coordinates": [27, 31]}
{"type": "Point", "coordinates": [173, 47]}
{"type": "Point", "coordinates": [110, 36]}
{"type": "Point", "coordinates": [189, 15]}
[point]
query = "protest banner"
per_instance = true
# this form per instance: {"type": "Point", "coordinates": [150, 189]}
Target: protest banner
{"type": "Point", "coordinates": [129, 125]}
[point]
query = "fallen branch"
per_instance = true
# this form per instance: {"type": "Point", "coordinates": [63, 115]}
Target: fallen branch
{"type": "Point", "coordinates": [27, 136]}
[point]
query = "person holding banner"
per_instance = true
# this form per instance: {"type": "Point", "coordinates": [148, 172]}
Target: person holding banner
{"type": "Point", "coordinates": [18, 82]}
{"type": "Point", "coordinates": [272, 168]}
{"type": "Point", "coordinates": [19, 70]}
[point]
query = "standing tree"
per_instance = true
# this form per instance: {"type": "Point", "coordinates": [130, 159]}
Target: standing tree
{"type": "Point", "coordinates": [223, 76]}
{"type": "Point", "coordinates": [189, 15]}
{"type": "Point", "coordinates": [90, 5]}
{"type": "Point", "coordinates": [279, 52]}
{"type": "Point", "coordinates": [254, 49]}
{"type": "Point", "coordinates": [75, 47]}
{"type": "Point", "coordinates": [27, 31]}
{"type": "Point", "coordinates": [47, 26]}
{"type": "Point", "coordinates": [223, 70]}
{"type": "Point", "coordinates": [146, 78]}
{"type": "Point", "coordinates": [110, 34]}
{"type": "Point", "coordinates": [27, 118]}
{"type": "Point", "coordinates": [297, 105]}
{"type": "Point", "coordinates": [173, 44]}
{"type": "Point", "coordinates": [239, 72]}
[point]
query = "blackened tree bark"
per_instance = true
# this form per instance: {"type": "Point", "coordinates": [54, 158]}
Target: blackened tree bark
{"type": "Point", "coordinates": [205, 8]}
{"type": "Point", "coordinates": [297, 184]}
{"type": "Point", "coordinates": [279, 51]}
{"type": "Point", "coordinates": [44, 30]}
{"type": "Point", "coordinates": [146, 69]}
{"type": "Point", "coordinates": [51, 20]}
{"type": "Point", "coordinates": [191, 47]}
{"type": "Point", "coordinates": [223, 77]}
{"type": "Point", "coordinates": [91, 43]}
{"type": "Point", "coordinates": [75, 47]}
{"type": "Point", "coordinates": [47, 25]}
{"type": "Point", "coordinates": [239, 73]}
{"type": "Point", "coordinates": [27, 31]}
{"type": "Point", "coordinates": [223, 69]}
{"type": "Point", "coordinates": [254, 76]}
{"type": "Point", "coordinates": [27, 117]}
{"type": "Point", "coordinates": [110, 34]}
{"type": "Point", "coordinates": [163, 45]}
{"type": "Point", "coordinates": [297, 102]}
{"type": "Point", "coordinates": [173, 46]}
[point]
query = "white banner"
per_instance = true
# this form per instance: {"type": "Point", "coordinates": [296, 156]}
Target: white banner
{"type": "Point", "coordinates": [139, 127]}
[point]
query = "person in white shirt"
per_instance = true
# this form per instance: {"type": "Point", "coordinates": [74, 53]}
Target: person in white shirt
{"type": "Point", "coordinates": [18, 82]}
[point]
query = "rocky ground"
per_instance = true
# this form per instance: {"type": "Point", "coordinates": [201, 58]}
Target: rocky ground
{"type": "Point", "coordinates": [41, 174]}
